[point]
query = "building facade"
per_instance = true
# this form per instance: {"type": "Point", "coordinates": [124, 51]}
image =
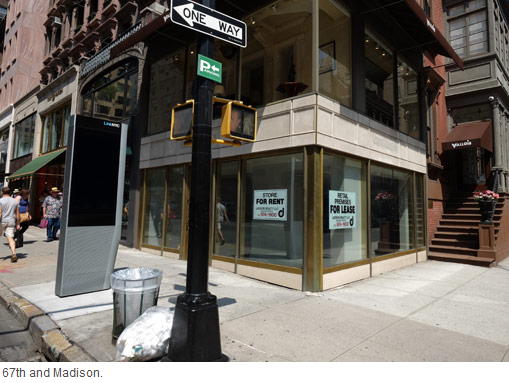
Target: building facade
{"type": "Point", "coordinates": [470, 151]}
{"type": "Point", "coordinates": [341, 142]}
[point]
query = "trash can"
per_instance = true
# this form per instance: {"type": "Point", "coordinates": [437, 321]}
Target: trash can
{"type": "Point", "coordinates": [134, 291]}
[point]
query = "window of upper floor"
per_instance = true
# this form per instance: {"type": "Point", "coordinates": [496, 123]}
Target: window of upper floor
{"type": "Point", "coordinates": [24, 136]}
{"type": "Point", "coordinates": [468, 28]}
{"type": "Point", "coordinates": [278, 64]}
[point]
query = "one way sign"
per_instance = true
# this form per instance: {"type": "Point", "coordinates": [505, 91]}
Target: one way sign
{"type": "Point", "coordinates": [206, 20]}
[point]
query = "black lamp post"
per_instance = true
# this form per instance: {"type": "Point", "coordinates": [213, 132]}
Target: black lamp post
{"type": "Point", "coordinates": [195, 335]}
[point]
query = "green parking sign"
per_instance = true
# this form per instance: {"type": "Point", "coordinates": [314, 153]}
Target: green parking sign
{"type": "Point", "coordinates": [209, 68]}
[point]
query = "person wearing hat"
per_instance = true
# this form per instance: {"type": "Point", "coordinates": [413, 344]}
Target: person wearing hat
{"type": "Point", "coordinates": [15, 193]}
{"type": "Point", "coordinates": [52, 210]}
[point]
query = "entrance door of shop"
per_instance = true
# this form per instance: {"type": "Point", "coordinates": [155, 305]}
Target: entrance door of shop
{"type": "Point", "coordinates": [468, 168]}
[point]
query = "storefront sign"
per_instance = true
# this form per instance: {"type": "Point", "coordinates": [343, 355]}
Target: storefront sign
{"type": "Point", "coordinates": [55, 95]}
{"type": "Point", "coordinates": [208, 21]}
{"type": "Point", "coordinates": [342, 210]}
{"type": "Point", "coordinates": [270, 205]}
{"type": "Point", "coordinates": [461, 144]}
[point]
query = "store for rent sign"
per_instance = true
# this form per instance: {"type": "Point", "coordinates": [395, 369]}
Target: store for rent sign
{"type": "Point", "coordinates": [342, 210]}
{"type": "Point", "coordinates": [270, 205]}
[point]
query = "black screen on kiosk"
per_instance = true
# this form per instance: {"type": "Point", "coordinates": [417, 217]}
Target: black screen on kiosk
{"type": "Point", "coordinates": [94, 182]}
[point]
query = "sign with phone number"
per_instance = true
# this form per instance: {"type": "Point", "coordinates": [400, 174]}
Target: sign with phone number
{"type": "Point", "coordinates": [270, 205]}
{"type": "Point", "coordinates": [342, 210]}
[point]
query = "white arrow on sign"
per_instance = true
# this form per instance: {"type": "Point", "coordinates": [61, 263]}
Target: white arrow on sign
{"type": "Point", "coordinates": [192, 16]}
{"type": "Point", "coordinates": [215, 68]}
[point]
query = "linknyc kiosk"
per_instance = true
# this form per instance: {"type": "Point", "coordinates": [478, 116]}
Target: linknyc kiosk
{"type": "Point", "coordinates": [92, 205]}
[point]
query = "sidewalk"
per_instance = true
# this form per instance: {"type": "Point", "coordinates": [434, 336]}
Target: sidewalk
{"type": "Point", "coordinates": [431, 311]}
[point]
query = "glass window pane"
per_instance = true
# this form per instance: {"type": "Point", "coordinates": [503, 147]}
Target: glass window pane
{"type": "Point", "coordinates": [166, 90]}
{"type": "Point", "coordinates": [459, 43]}
{"type": "Point", "coordinates": [154, 206]}
{"type": "Point", "coordinates": [477, 28]}
{"type": "Point", "coordinates": [408, 102]}
{"type": "Point", "coordinates": [173, 223]}
{"type": "Point", "coordinates": [66, 124]}
{"type": "Point", "coordinates": [87, 106]}
{"type": "Point", "coordinates": [458, 10]}
{"type": "Point", "coordinates": [109, 101]}
{"type": "Point", "coordinates": [335, 68]}
{"type": "Point", "coordinates": [226, 209]}
{"type": "Point", "coordinates": [454, 25]}
{"type": "Point", "coordinates": [272, 217]}
{"type": "Point", "coordinates": [46, 133]}
{"type": "Point", "coordinates": [476, 4]}
{"type": "Point", "coordinates": [276, 62]}
{"type": "Point", "coordinates": [478, 38]}
{"type": "Point", "coordinates": [379, 81]}
{"type": "Point", "coordinates": [24, 134]}
{"type": "Point", "coordinates": [457, 33]}
{"type": "Point", "coordinates": [344, 216]}
{"type": "Point", "coordinates": [392, 217]}
{"type": "Point", "coordinates": [132, 89]}
{"type": "Point", "coordinates": [478, 48]}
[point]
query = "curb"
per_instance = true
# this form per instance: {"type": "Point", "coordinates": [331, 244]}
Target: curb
{"type": "Point", "coordinates": [50, 339]}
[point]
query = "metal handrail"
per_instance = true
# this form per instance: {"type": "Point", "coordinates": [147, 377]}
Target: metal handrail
{"type": "Point", "coordinates": [495, 172]}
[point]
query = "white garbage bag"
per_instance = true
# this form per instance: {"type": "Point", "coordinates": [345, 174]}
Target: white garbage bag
{"type": "Point", "coordinates": [147, 337]}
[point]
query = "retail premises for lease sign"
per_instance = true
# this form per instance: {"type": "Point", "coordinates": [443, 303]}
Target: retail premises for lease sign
{"type": "Point", "coordinates": [342, 208]}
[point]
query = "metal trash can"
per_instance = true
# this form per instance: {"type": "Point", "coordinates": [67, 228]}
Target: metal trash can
{"type": "Point", "coordinates": [134, 291]}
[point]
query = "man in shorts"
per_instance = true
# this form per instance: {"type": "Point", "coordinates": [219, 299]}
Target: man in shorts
{"type": "Point", "coordinates": [9, 210]}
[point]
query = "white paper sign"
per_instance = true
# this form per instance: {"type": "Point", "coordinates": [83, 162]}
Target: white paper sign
{"type": "Point", "coordinates": [342, 210]}
{"type": "Point", "coordinates": [270, 205]}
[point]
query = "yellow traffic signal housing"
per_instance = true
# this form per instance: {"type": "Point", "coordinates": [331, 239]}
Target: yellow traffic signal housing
{"type": "Point", "coordinates": [239, 121]}
{"type": "Point", "coordinates": [182, 118]}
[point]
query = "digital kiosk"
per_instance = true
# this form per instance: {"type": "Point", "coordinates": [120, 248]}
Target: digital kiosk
{"type": "Point", "coordinates": [92, 205]}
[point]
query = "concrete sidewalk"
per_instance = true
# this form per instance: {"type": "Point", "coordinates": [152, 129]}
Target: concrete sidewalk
{"type": "Point", "coordinates": [431, 311]}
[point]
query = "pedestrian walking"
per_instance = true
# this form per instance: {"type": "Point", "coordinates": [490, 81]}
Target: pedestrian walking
{"type": "Point", "coordinates": [24, 215]}
{"type": "Point", "coordinates": [221, 215]}
{"type": "Point", "coordinates": [9, 210]}
{"type": "Point", "coordinates": [52, 210]}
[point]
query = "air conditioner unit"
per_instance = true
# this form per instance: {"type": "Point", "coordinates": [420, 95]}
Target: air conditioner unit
{"type": "Point", "coordinates": [56, 22]}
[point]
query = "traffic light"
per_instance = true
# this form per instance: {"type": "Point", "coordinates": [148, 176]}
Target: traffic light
{"type": "Point", "coordinates": [182, 121]}
{"type": "Point", "coordinates": [239, 122]}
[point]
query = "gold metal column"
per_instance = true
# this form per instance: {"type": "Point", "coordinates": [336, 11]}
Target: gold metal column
{"type": "Point", "coordinates": [313, 231]}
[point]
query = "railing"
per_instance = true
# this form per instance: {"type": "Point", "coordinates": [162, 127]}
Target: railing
{"type": "Point", "coordinates": [494, 174]}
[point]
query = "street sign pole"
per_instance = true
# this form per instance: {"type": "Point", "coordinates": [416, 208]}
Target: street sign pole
{"type": "Point", "coordinates": [195, 335]}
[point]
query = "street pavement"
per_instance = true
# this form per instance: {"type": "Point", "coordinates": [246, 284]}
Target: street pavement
{"type": "Point", "coordinates": [16, 343]}
{"type": "Point", "coordinates": [431, 311]}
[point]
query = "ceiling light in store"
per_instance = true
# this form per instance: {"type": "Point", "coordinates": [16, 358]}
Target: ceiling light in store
{"type": "Point", "coordinates": [252, 20]}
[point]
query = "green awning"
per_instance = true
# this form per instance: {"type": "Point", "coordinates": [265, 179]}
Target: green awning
{"type": "Point", "coordinates": [34, 165]}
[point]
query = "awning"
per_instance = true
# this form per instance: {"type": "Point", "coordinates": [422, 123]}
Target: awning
{"type": "Point", "coordinates": [410, 15]}
{"type": "Point", "coordinates": [470, 135]}
{"type": "Point", "coordinates": [33, 166]}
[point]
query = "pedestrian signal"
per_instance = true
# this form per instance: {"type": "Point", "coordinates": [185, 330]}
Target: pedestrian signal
{"type": "Point", "coordinates": [239, 122]}
{"type": "Point", "coordinates": [182, 121]}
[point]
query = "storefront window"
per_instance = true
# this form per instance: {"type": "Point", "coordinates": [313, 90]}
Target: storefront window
{"type": "Point", "coordinates": [162, 223]}
{"type": "Point", "coordinates": [112, 96]}
{"type": "Point", "coordinates": [173, 223]}
{"type": "Point", "coordinates": [154, 207]}
{"type": "Point", "coordinates": [24, 136]}
{"type": "Point", "coordinates": [379, 82]}
{"type": "Point", "coordinates": [276, 63]}
{"type": "Point", "coordinates": [344, 218]}
{"type": "Point", "coordinates": [4, 144]}
{"type": "Point", "coordinates": [166, 90]}
{"type": "Point", "coordinates": [272, 213]}
{"type": "Point", "coordinates": [408, 101]}
{"type": "Point", "coordinates": [335, 66]}
{"type": "Point", "coordinates": [392, 217]}
{"type": "Point", "coordinates": [55, 126]}
{"type": "Point", "coordinates": [225, 209]}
